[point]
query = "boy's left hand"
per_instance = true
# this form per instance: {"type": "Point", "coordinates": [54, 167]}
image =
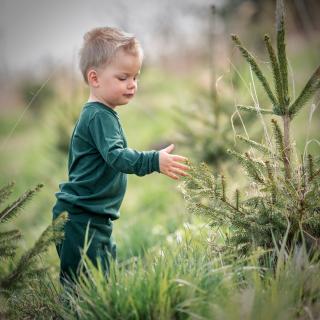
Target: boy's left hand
{"type": "Point", "coordinates": [170, 164]}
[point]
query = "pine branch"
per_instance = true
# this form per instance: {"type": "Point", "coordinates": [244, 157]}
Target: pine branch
{"type": "Point", "coordinates": [301, 208]}
{"type": "Point", "coordinates": [7, 251]}
{"type": "Point", "coordinates": [303, 176]}
{"type": "Point", "coordinates": [282, 59]}
{"type": "Point", "coordinates": [35, 273]}
{"type": "Point", "coordinates": [272, 182]}
{"type": "Point", "coordinates": [308, 91]}
{"type": "Point", "coordinates": [29, 275]}
{"type": "Point", "coordinates": [211, 212]}
{"type": "Point", "coordinates": [315, 175]}
{"type": "Point", "coordinates": [255, 68]}
{"type": "Point", "coordinates": [223, 187]}
{"type": "Point", "coordinates": [253, 202]}
{"type": "Point", "coordinates": [280, 146]}
{"type": "Point", "coordinates": [278, 109]}
{"type": "Point", "coordinates": [11, 235]}
{"type": "Point", "coordinates": [6, 191]}
{"type": "Point", "coordinates": [310, 167]}
{"type": "Point", "coordinates": [259, 164]}
{"type": "Point", "coordinates": [281, 46]}
{"type": "Point", "coordinates": [249, 166]}
{"type": "Point", "coordinates": [289, 190]}
{"type": "Point", "coordinates": [258, 146]}
{"type": "Point", "coordinates": [232, 207]}
{"type": "Point", "coordinates": [255, 110]}
{"type": "Point", "coordinates": [218, 210]}
{"type": "Point", "coordinates": [13, 209]}
{"type": "Point", "coordinates": [287, 144]}
{"type": "Point", "coordinates": [53, 232]}
{"type": "Point", "coordinates": [215, 191]}
{"type": "Point", "coordinates": [7, 248]}
{"type": "Point", "coordinates": [237, 198]}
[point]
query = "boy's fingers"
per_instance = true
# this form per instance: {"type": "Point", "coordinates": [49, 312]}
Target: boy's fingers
{"type": "Point", "coordinates": [179, 172]}
{"type": "Point", "coordinates": [172, 175]}
{"type": "Point", "coordinates": [181, 166]}
{"type": "Point", "coordinates": [179, 158]}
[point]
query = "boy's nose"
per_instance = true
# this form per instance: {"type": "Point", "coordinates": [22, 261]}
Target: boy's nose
{"type": "Point", "coordinates": [132, 85]}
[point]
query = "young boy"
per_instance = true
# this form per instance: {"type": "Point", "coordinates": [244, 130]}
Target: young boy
{"type": "Point", "coordinates": [99, 158]}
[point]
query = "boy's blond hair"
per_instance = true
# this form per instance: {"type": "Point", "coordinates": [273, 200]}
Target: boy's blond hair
{"type": "Point", "coordinates": [101, 45]}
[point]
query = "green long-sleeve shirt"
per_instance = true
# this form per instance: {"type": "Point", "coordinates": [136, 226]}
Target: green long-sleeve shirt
{"type": "Point", "coordinates": [98, 164]}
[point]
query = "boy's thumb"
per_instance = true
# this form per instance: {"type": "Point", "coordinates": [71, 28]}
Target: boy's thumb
{"type": "Point", "coordinates": [169, 148]}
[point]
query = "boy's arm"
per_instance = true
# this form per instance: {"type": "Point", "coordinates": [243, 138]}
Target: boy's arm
{"type": "Point", "coordinates": [105, 133]}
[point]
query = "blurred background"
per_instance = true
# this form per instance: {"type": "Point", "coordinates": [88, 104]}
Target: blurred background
{"type": "Point", "coordinates": [191, 81]}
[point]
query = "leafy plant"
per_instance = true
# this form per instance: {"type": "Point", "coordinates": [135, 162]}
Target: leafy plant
{"type": "Point", "coordinates": [284, 191]}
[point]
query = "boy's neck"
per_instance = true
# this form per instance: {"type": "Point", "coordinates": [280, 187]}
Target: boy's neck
{"type": "Point", "coordinates": [94, 98]}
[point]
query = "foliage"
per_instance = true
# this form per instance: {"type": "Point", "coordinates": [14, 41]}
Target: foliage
{"type": "Point", "coordinates": [185, 280]}
{"type": "Point", "coordinates": [16, 274]}
{"type": "Point", "coordinates": [36, 94]}
{"type": "Point", "coordinates": [284, 191]}
{"type": "Point", "coordinates": [205, 129]}
{"type": "Point", "coordinates": [39, 299]}
{"type": "Point", "coordinates": [64, 118]}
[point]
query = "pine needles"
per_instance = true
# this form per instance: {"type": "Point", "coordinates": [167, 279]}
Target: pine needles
{"type": "Point", "coordinates": [20, 272]}
{"type": "Point", "coordinates": [283, 192]}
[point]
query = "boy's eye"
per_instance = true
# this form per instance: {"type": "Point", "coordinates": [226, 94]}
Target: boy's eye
{"type": "Point", "coordinates": [136, 78]}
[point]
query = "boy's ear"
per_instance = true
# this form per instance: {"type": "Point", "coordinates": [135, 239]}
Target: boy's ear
{"type": "Point", "coordinates": [92, 77]}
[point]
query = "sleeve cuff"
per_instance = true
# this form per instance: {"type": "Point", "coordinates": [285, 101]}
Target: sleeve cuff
{"type": "Point", "coordinates": [156, 161]}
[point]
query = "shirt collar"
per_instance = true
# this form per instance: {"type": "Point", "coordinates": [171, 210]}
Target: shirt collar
{"type": "Point", "coordinates": [103, 106]}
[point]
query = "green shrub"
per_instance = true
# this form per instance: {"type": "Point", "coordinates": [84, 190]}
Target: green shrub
{"type": "Point", "coordinates": [283, 191]}
{"type": "Point", "coordinates": [17, 274]}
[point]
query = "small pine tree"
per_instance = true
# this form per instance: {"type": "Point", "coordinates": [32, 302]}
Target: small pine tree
{"type": "Point", "coordinates": [284, 191]}
{"type": "Point", "coordinates": [16, 275]}
{"type": "Point", "coordinates": [204, 127]}
{"type": "Point", "coordinates": [199, 130]}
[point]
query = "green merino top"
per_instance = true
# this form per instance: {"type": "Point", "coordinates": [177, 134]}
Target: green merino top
{"type": "Point", "coordinates": [99, 161]}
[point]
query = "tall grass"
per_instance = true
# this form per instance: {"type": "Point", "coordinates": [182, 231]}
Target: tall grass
{"type": "Point", "coordinates": [186, 280]}
{"type": "Point", "coordinates": [170, 282]}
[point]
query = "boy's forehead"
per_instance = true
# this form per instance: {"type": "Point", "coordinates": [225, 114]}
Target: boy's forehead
{"type": "Point", "coordinates": [126, 62]}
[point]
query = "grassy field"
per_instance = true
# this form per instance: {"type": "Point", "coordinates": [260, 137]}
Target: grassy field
{"type": "Point", "coordinates": [167, 266]}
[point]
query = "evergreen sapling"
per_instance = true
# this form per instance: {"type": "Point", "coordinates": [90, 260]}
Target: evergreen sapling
{"type": "Point", "coordinates": [284, 195]}
{"type": "Point", "coordinates": [16, 273]}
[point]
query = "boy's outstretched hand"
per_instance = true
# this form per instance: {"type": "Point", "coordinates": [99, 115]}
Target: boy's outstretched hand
{"type": "Point", "coordinates": [170, 164]}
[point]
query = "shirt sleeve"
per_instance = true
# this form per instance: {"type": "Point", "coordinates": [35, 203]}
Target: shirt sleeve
{"type": "Point", "coordinates": [107, 137]}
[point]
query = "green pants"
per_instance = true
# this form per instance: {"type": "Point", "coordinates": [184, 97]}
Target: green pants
{"type": "Point", "coordinates": [101, 244]}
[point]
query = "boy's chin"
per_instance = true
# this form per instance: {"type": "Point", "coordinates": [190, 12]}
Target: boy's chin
{"type": "Point", "coordinates": [125, 101]}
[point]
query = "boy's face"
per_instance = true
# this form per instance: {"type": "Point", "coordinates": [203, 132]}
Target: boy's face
{"type": "Point", "coordinates": [117, 81]}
